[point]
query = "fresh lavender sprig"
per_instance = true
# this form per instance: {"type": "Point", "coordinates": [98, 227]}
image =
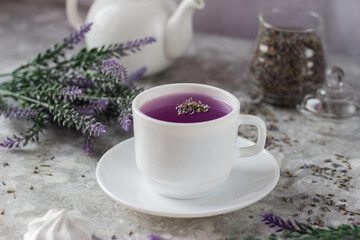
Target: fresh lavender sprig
{"type": "Point", "coordinates": [137, 44]}
{"type": "Point", "coordinates": [76, 79]}
{"type": "Point", "coordinates": [93, 107]}
{"type": "Point", "coordinates": [15, 141]}
{"type": "Point", "coordinates": [109, 65]}
{"type": "Point", "coordinates": [88, 144]}
{"type": "Point", "coordinates": [99, 105]}
{"type": "Point", "coordinates": [71, 93]}
{"type": "Point", "coordinates": [64, 115]}
{"type": "Point", "coordinates": [298, 230]}
{"type": "Point", "coordinates": [134, 77]}
{"type": "Point", "coordinates": [77, 35]}
{"type": "Point", "coordinates": [56, 53]}
{"type": "Point", "coordinates": [276, 221]}
{"type": "Point", "coordinates": [125, 119]}
{"type": "Point", "coordinates": [112, 68]}
{"type": "Point", "coordinates": [85, 110]}
{"type": "Point", "coordinates": [18, 113]}
{"type": "Point", "coordinates": [94, 128]}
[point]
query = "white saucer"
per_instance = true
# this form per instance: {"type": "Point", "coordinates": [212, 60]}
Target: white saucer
{"type": "Point", "coordinates": [251, 180]}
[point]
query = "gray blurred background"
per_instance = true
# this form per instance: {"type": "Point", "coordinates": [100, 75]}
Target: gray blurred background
{"type": "Point", "coordinates": [238, 18]}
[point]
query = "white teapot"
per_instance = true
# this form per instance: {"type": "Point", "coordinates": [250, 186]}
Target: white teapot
{"type": "Point", "coordinates": [116, 21]}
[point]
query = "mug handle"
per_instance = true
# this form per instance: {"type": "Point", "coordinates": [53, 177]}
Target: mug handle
{"type": "Point", "coordinates": [261, 138]}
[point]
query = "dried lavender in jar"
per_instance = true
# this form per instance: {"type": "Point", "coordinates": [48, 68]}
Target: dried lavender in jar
{"type": "Point", "coordinates": [287, 63]}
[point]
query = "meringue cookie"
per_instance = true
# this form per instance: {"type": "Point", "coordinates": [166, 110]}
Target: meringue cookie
{"type": "Point", "coordinates": [59, 225]}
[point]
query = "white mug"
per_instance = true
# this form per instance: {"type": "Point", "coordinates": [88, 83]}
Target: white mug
{"type": "Point", "coordinates": [161, 147]}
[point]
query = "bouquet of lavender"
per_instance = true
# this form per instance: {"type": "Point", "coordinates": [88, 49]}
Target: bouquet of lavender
{"type": "Point", "coordinates": [293, 230]}
{"type": "Point", "coordinates": [72, 91]}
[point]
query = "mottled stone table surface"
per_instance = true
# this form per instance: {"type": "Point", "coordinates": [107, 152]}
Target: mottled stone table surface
{"type": "Point", "coordinates": [27, 28]}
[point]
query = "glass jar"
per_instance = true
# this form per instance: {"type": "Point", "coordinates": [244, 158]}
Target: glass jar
{"type": "Point", "coordinates": [289, 58]}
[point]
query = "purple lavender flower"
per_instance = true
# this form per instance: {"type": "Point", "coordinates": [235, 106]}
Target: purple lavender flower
{"type": "Point", "coordinates": [85, 110]}
{"type": "Point", "coordinates": [99, 105]}
{"type": "Point", "coordinates": [138, 44]}
{"type": "Point", "coordinates": [276, 221]}
{"type": "Point", "coordinates": [94, 106]}
{"type": "Point", "coordinates": [78, 35]}
{"type": "Point", "coordinates": [16, 141]}
{"type": "Point", "coordinates": [94, 128]}
{"type": "Point", "coordinates": [135, 76]}
{"type": "Point", "coordinates": [125, 119]}
{"type": "Point", "coordinates": [71, 93]}
{"type": "Point", "coordinates": [109, 65]}
{"type": "Point", "coordinates": [88, 143]}
{"type": "Point", "coordinates": [114, 69]}
{"type": "Point", "coordinates": [76, 79]}
{"type": "Point", "coordinates": [155, 237]}
{"type": "Point", "coordinates": [19, 113]}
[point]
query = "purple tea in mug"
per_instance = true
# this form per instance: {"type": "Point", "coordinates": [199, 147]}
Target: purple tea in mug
{"type": "Point", "coordinates": [167, 108]}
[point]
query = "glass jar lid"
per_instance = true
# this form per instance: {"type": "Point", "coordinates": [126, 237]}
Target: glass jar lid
{"type": "Point", "coordinates": [334, 101]}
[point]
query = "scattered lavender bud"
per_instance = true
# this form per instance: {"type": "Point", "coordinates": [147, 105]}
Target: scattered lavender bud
{"type": "Point", "coordinates": [3, 183]}
{"type": "Point", "coordinates": [155, 237]}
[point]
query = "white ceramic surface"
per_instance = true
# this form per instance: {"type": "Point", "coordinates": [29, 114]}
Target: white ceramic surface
{"type": "Point", "coordinates": [189, 160]}
{"type": "Point", "coordinates": [251, 180]}
{"type": "Point", "coordinates": [116, 21]}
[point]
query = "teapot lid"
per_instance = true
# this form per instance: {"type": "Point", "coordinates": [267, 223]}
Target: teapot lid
{"type": "Point", "coordinates": [334, 101]}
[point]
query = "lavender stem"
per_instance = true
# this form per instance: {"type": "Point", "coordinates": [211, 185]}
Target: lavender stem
{"type": "Point", "coordinates": [87, 97]}
{"type": "Point", "coordinates": [15, 95]}
{"type": "Point", "coordinates": [5, 74]}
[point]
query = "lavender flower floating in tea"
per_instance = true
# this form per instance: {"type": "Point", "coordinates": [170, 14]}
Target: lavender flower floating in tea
{"type": "Point", "coordinates": [190, 107]}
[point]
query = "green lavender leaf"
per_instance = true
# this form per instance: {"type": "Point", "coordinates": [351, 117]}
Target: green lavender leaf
{"type": "Point", "coordinates": [58, 87]}
{"type": "Point", "coordinates": [342, 231]}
